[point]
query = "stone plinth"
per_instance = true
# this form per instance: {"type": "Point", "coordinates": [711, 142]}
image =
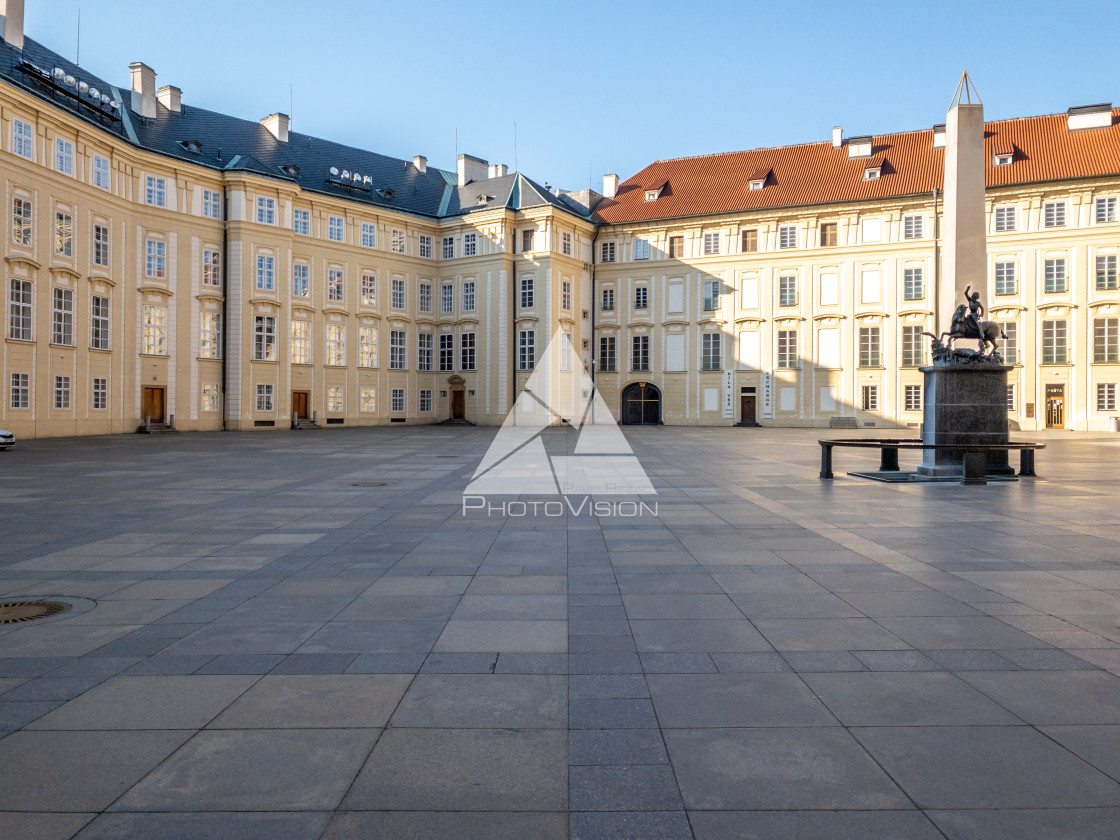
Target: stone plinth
{"type": "Point", "coordinates": [964, 405]}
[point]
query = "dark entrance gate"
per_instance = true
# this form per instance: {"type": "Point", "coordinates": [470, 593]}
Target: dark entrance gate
{"type": "Point", "coordinates": [641, 405]}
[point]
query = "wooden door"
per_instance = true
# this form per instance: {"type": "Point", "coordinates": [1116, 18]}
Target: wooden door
{"type": "Point", "coordinates": [1055, 406]}
{"type": "Point", "coordinates": [458, 405]}
{"type": "Point", "coordinates": [152, 405]}
{"type": "Point", "coordinates": [299, 404]}
{"type": "Point", "coordinates": [746, 409]}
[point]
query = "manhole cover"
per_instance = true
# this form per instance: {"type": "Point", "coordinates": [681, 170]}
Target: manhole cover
{"type": "Point", "coordinates": [13, 612]}
{"type": "Point", "coordinates": [369, 484]}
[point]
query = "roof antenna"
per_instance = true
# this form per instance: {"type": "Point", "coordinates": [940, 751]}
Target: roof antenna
{"type": "Point", "coordinates": [516, 168]}
{"type": "Point", "coordinates": [78, 51]}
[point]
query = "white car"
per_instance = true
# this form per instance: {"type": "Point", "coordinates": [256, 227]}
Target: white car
{"type": "Point", "coordinates": [7, 439]}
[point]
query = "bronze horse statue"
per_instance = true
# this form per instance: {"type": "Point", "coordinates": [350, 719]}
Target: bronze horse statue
{"type": "Point", "coordinates": [963, 327]}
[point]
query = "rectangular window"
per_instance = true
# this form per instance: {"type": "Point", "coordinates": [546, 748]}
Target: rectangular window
{"type": "Point", "coordinates": [425, 401]}
{"type": "Point", "coordinates": [154, 338]}
{"type": "Point", "coordinates": [369, 235]}
{"type": "Point", "coordinates": [22, 144]}
{"type": "Point", "coordinates": [335, 286]}
{"type": "Point", "coordinates": [607, 252]}
{"type": "Point", "coordinates": [155, 191]}
{"type": "Point", "coordinates": [447, 248]}
{"type": "Point", "coordinates": [787, 349]}
{"type": "Point", "coordinates": [1010, 397]}
{"type": "Point", "coordinates": [1009, 347]}
{"type": "Point", "coordinates": [64, 156]}
{"type": "Point", "coordinates": [336, 229]}
{"type": "Point", "coordinates": [1106, 273]}
{"type": "Point", "coordinates": [397, 298]}
{"type": "Point", "coordinates": [639, 352]}
{"type": "Point", "coordinates": [99, 323]}
{"type": "Point", "coordinates": [912, 397]}
{"type": "Point", "coordinates": [101, 172]}
{"type": "Point", "coordinates": [750, 241]}
{"type": "Point", "coordinates": [828, 234]}
{"type": "Point", "coordinates": [468, 296]}
{"type": "Point", "coordinates": [335, 402]}
{"type": "Point", "coordinates": [1054, 214]}
{"type": "Point", "coordinates": [264, 338]}
{"type": "Point", "coordinates": [1005, 278]}
{"type": "Point", "coordinates": [608, 359]}
{"type": "Point", "coordinates": [1054, 347]}
{"type": "Point", "coordinates": [211, 267]}
{"type": "Point", "coordinates": [424, 351]}
{"type": "Point", "coordinates": [1005, 218]}
{"type": "Point", "coordinates": [101, 246]}
{"type": "Point", "coordinates": [446, 298]}
{"type": "Point", "coordinates": [641, 297]}
{"type": "Point", "coordinates": [641, 249]}
{"type": "Point", "coordinates": [266, 211]}
{"type": "Point", "coordinates": [566, 244]}
{"type": "Point", "coordinates": [712, 357]}
{"type": "Point", "coordinates": [397, 349]}
{"type": "Point", "coordinates": [466, 354]}
{"type": "Point", "coordinates": [527, 241]}
{"type": "Point", "coordinates": [336, 345]}
{"type": "Point", "coordinates": [1106, 210]}
{"type": "Point", "coordinates": [210, 396]}
{"type": "Point", "coordinates": [62, 392]}
{"type": "Point", "coordinates": [913, 227]}
{"type": "Point", "coordinates": [676, 247]}
{"type": "Point", "coordinates": [526, 349]}
{"type": "Point", "coordinates": [425, 297]}
{"type": "Point", "coordinates": [1106, 397]}
{"type": "Point", "coordinates": [301, 222]}
{"type": "Point", "coordinates": [424, 246]}
{"type": "Point", "coordinates": [566, 295]}
{"type": "Point", "coordinates": [608, 300]}
{"type": "Point", "coordinates": [446, 352]}
{"type": "Point", "coordinates": [913, 349]}
{"type": "Point", "coordinates": [869, 355]}
{"type": "Point", "coordinates": [300, 349]}
{"type": "Point", "coordinates": [913, 286]}
{"type": "Point", "coordinates": [62, 317]}
{"type": "Point", "coordinates": [712, 290]}
{"type": "Point", "coordinates": [397, 245]}
{"type": "Point", "coordinates": [266, 273]}
{"type": "Point", "coordinates": [869, 398]}
{"type": "Point", "coordinates": [396, 401]}
{"type": "Point", "coordinates": [210, 337]}
{"type": "Point", "coordinates": [64, 234]}
{"type": "Point", "coordinates": [470, 244]}
{"type": "Point", "coordinates": [787, 236]}
{"type": "Point", "coordinates": [711, 243]}
{"type": "Point", "coordinates": [301, 280]}
{"type": "Point", "coordinates": [21, 221]}
{"type": "Point", "coordinates": [212, 204]}
{"type": "Point", "coordinates": [21, 390]}
{"type": "Point", "coordinates": [1105, 346]}
{"type": "Point", "coordinates": [527, 298]}
{"type": "Point", "coordinates": [369, 290]}
{"type": "Point", "coordinates": [155, 259]}
{"type": "Point", "coordinates": [19, 310]}
{"type": "Point", "coordinates": [367, 400]}
{"type": "Point", "coordinates": [1054, 271]}
{"type": "Point", "coordinates": [100, 394]}
{"type": "Point", "coordinates": [787, 290]}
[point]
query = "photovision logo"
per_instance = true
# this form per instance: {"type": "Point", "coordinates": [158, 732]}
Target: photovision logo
{"type": "Point", "coordinates": [603, 464]}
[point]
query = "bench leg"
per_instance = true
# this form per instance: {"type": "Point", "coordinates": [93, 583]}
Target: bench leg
{"type": "Point", "coordinates": [826, 461]}
{"type": "Point", "coordinates": [888, 459]}
{"type": "Point", "coordinates": [975, 468]}
{"type": "Point", "coordinates": [1026, 462]}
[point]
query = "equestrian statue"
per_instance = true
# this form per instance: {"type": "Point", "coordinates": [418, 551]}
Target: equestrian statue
{"type": "Point", "coordinates": [967, 324]}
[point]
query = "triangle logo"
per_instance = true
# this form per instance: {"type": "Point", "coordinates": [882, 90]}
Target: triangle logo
{"type": "Point", "coordinates": [560, 388]}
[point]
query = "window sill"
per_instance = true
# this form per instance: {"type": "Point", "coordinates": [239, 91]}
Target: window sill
{"type": "Point", "coordinates": [263, 361]}
{"type": "Point", "coordinates": [156, 355]}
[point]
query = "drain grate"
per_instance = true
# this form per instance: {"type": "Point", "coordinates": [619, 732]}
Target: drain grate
{"type": "Point", "coordinates": [369, 484]}
{"type": "Point", "coordinates": [13, 612]}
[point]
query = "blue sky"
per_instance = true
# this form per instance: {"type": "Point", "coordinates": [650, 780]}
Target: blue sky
{"type": "Point", "coordinates": [596, 87]}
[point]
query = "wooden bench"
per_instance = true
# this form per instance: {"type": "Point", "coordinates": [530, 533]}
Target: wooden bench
{"type": "Point", "coordinates": [974, 462]}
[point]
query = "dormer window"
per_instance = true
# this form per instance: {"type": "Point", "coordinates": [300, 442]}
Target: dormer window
{"type": "Point", "coordinates": [654, 193]}
{"type": "Point", "coordinates": [1001, 160]}
{"type": "Point", "coordinates": [859, 147]}
{"type": "Point", "coordinates": [291, 170]}
{"type": "Point", "coordinates": [1003, 154]}
{"type": "Point", "coordinates": [651, 195]}
{"type": "Point", "coordinates": [758, 178]}
{"type": "Point", "coordinates": [872, 173]}
{"type": "Point", "coordinates": [192, 146]}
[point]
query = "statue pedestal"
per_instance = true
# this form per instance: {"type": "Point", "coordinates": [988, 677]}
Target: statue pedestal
{"type": "Point", "coordinates": [965, 404]}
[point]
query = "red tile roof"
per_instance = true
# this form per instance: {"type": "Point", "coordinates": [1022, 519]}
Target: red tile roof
{"type": "Point", "coordinates": [816, 173]}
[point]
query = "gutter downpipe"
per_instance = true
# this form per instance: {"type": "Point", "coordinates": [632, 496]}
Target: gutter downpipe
{"type": "Point", "coordinates": [225, 305]}
{"type": "Point", "coordinates": [594, 310]}
{"type": "Point", "coordinates": [513, 348]}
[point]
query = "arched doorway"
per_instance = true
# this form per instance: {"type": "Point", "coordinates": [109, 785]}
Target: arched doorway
{"type": "Point", "coordinates": [641, 405]}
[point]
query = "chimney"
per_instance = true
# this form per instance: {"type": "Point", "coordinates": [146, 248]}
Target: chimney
{"type": "Point", "coordinates": [837, 137]}
{"type": "Point", "coordinates": [277, 125]}
{"type": "Point", "coordinates": [859, 147]}
{"type": "Point", "coordinates": [171, 98]}
{"type": "Point", "coordinates": [939, 136]}
{"type": "Point", "coordinates": [497, 170]}
{"type": "Point", "coordinates": [421, 163]}
{"type": "Point", "coordinates": [610, 186]}
{"type": "Point", "coordinates": [143, 89]}
{"type": "Point", "coordinates": [470, 169]}
{"type": "Point", "coordinates": [1089, 116]}
{"type": "Point", "coordinates": [12, 25]}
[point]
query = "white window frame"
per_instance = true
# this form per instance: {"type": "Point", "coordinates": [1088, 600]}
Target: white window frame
{"type": "Point", "coordinates": [210, 335]}
{"type": "Point", "coordinates": [101, 245]}
{"type": "Point", "coordinates": [526, 349]}
{"type": "Point", "coordinates": [1106, 209]}
{"type": "Point", "coordinates": [398, 243]}
{"type": "Point", "coordinates": [446, 351]}
{"type": "Point", "coordinates": [63, 233]}
{"type": "Point", "coordinates": [336, 399]}
{"type": "Point", "coordinates": [23, 220]}
{"type": "Point", "coordinates": [335, 346]}
{"type": "Point", "coordinates": [424, 246]}
{"type": "Point", "coordinates": [398, 350]}
{"type": "Point", "coordinates": [155, 191]}
{"type": "Point", "coordinates": [528, 293]}
{"type": "Point", "coordinates": [467, 343]}
{"type": "Point", "coordinates": [301, 280]}
{"type": "Point", "coordinates": [301, 222]}
{"type": "Point", "coordinates": [336, 228]}
{"type": "Point", "coordinates": [367, 399]}
{"type": "Point", "coordinates": [336, 285]}
{"type": "Point", "coordinates": [99, 170]}
{"type": "Point", "coordinates": [21, 391]}
{"type": "Point", "coordinates": [447, 298]}
{"type": "Point", "coordinates": [470, 244]}
{"type": "Point", "coordinates": [566, 244]}
{"type": "Point", "coordinates": [424, 353]}
{"type": "Point", "coordinates": [468, 296]}
{"type": "Point", "coordinates": [787, 236]}
{"type": "Point", "coordinates": [154, 324]}
{"type": "Point", "coordinates": [369, 235]}
{"type": "Point", "coordinates": [607, 252]}
{"type": "Point", "coordinates": [447, 248]}
{"type": "Point", "coordinates": [396, 401]}
{"type": "Point", "coordinates": [913, 226]}
{"type": "Point", "coordinates": [1054, 214]}
{"type": "Point", "coordinates": [62, 393]}
{"type": "Point", "coordinates": [369, 289]}
{"type": "Point", "coordinates": [209, 396]}
{"type": "Point", "coordinates": [398, 298]}
{"type": "Point", "coordinates": [299, 343]}
{"type": "Point", "coordinates": [641, 249]}
{"type": "Point", "coordinates": [711, 243]}
{"type": "Point", "coordinates": [211, 267]}
{"type": "Point", "coordinates": [211, 204]}
{"type": "Point", "coordinates": [265, 396]}
{"type": "Point", "coordinates": [1006, 218]}
{"type": "Point", "coordinates": [266, 273]}
{"type": "Point", "coordinates": [99, 394]}
{"type": "Point", "coordinates": [264, 338]}
{"type": "Point", "coordinates": [155, 259]}
{"type": "Point", "coordinates": [62, 316]}
{"type": "Point", "coordinates": [425, 401]}
{"type": "Point", "coordinates": [100, 321]}
{"type": "Point", "coordinates": [23, 138]}
{"type": "Point", "coordinates": [21, 298]}
{"type": "Point", "coordinates": [63, 156]}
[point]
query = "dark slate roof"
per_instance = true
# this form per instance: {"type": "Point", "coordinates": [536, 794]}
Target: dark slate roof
{"type": "Point", "coordinates": [230, 143]}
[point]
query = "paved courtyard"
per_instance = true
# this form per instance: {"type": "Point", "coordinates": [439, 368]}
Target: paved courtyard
{"type": "Point", "coordinates": [300, 635]}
